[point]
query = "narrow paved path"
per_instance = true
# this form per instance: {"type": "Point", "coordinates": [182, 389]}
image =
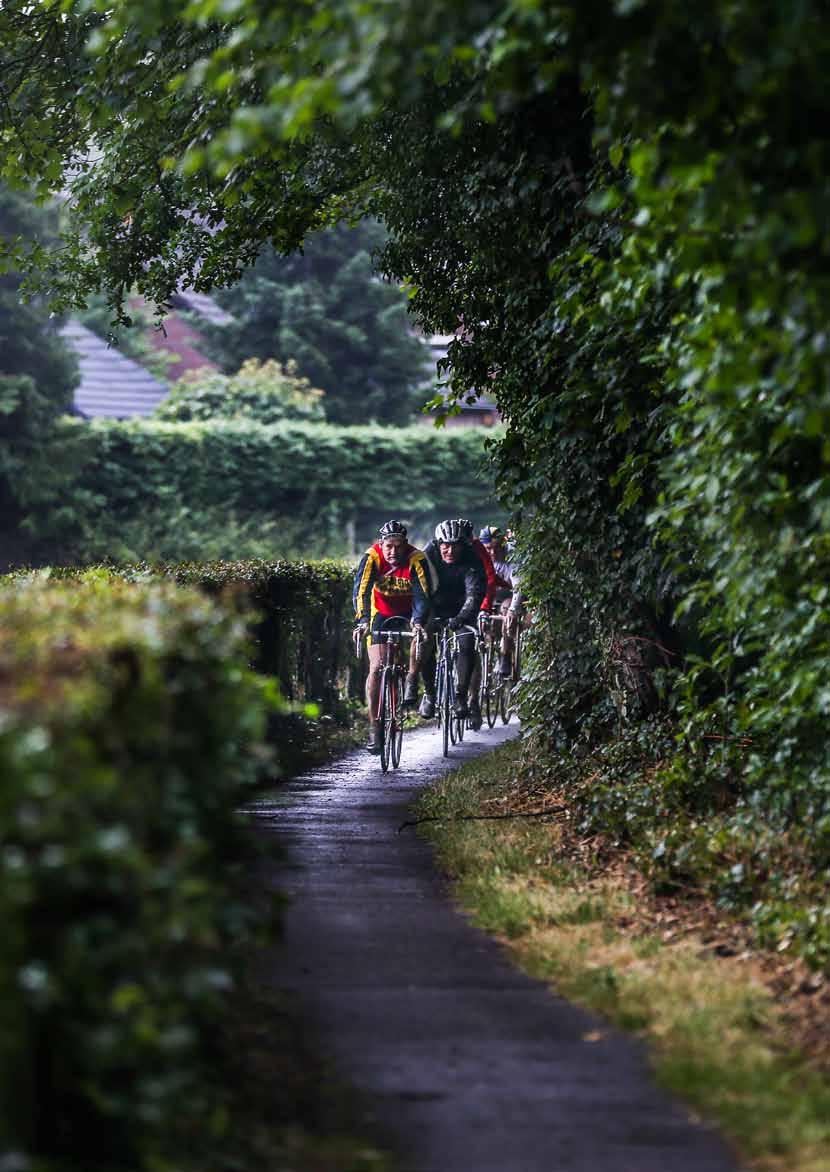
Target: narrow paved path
{"type": "Point", "coordinates": [469, 1065]}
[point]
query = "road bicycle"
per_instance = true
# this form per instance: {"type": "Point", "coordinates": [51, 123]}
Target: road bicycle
{"type": "Point", "coordinates": [390, 713]}
{"type": "Point", "coordinates": [496, 689]}
{"type": "Point", "coordinates": [451, 726]}
{"type": "Point", "coordinates": [491, 682]}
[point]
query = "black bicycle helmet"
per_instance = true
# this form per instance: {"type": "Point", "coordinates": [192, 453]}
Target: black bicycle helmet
{"type": "Point", "coordinates": [392, 529]}
{"type": "Point", "coordinates": [449, 531]}
{"type": "Point", "coordinates": [467, 529]}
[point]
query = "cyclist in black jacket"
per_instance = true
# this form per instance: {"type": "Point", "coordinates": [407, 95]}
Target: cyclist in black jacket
{"type": "Point", "coordinates": [461, 585]}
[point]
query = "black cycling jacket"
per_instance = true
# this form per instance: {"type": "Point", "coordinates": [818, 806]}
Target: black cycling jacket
{"type": "Point", "coordinates": [461, 586]}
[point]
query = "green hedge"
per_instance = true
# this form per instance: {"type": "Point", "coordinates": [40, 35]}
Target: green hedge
{"type": "Point", "coordinates": [299, 616]}
{"type": "Point", "coordinates": [130, 732]}
{"type": "Point", "coordinates": [139, 482]}
{"type": "Point", "coordinates": [299, 620]}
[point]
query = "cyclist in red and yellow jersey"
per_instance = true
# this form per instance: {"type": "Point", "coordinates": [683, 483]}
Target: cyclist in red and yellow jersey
{"type": "Point", "coordinates": [393, 581]}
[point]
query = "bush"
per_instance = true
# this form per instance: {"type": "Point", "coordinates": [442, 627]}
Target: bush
{"type": "Point", "coordinates": [300, 617]}
{"type": "Point", "coordinates": [299, 621]}
{"type": "Point", "coordinates": [264, 392]}
{"type": "Point", "coordinates": [130, 733]}
{"type": "Point", "coordinates": [321, 482]}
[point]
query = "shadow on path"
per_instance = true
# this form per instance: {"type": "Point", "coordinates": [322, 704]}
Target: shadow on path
{"type": "Point", "coordinates": [469, 1065]}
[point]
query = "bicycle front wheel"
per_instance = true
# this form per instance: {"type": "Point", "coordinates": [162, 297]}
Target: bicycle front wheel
{"type": "Point", "coordinates": [488, 707]}
{"type": "Point", "coordinates": [442, 696]}
{"type": "Point", "coordinates": [386, 721]}
{"type": "Point", "coordinates": [397, 726]}
{"type": "Point", "coordinates": [451, 718]}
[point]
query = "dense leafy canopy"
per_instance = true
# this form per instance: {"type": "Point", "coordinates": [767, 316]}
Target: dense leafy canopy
{"type": "Point", "coordinates": [37, 372]}
{"type": "Point", "coordinates": [326, 310]}
{"type": "Point", "coordinates": [262, 391]}
{"type": "Point", "coordinates": [625, 206]}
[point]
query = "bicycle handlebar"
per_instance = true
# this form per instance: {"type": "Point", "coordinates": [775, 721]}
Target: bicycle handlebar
{"type": "Point", "coordinates": [457, 630]}
{"type": "Point", "coordinates": [379, 635]}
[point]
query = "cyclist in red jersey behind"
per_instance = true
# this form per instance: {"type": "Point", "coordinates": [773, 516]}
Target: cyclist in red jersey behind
{"type": "Point", "coordinates": [393, 581]}
{"type": "Point", "coordinates": [512, 603]}
{"type": "Point", "coordinates": [495, 585]}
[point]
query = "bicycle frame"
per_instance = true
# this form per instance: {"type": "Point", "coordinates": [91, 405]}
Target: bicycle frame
{"type": "Point", "coordinates": [390, 713]}
{"type": "Point", "coordinates": [489, 645]}
{"type": "Point", "coordinates": [452, 728]}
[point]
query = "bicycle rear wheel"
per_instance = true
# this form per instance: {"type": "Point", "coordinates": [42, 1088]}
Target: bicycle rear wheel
{"type": "Point", "coordinates": [488, 706]}
{"type": "Point", "coordinates": [397, 727]}
{"type": "Point", "coordinates": [386, 721]}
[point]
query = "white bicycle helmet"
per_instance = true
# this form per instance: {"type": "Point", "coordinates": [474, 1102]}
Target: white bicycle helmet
{"type": "Point", "coordinates": [392, 529]}
{"type": "Point", "coordinates": [449, 531]}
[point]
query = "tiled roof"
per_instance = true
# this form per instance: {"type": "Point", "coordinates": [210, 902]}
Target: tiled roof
{"type": "Point", "coordinates": [111, 384]}
{"type": "Point", "coordinates": [438, 345]}
{"type": "Point", "coordinates": [205, 306]}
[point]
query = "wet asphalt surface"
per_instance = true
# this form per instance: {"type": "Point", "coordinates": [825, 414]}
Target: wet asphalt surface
{"type": "Point", "coordinates": [465, 1064]}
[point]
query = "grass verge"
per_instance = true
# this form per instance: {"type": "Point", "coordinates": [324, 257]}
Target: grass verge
{"type": "Point", "coordinates": [731, 1030]}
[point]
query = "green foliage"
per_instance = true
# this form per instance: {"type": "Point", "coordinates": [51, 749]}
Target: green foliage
{"type": "Point", "coordinates": [37, 374]}
{"type": "Point", "coordinates": [298, 616]}
{"type": "Point", "coordinates": [130, 734]}
{"type": "Point", "coordinates": [306, 481]}
{"type": "Point", "coordinates": [625, 207]}
{"type": "Point", "coordinates": [167, 531]}
{"type": "Point", "coordinates": [132, 340]}
{"type": "Point", "coordinates": [326, 310]}
{"type": "Point", "coordinates": [264, 392]}
{"type": "Point", "coordinates": [691, 824]}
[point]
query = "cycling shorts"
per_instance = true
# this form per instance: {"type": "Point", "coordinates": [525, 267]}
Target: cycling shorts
{"type": "Point", "coordinates": [395, 623]}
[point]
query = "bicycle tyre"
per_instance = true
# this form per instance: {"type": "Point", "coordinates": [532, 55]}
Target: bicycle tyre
{"type": "Point", "coordinates": [488, 707]}
{"type": "Point", "coordinates": [443, 708]}
{"type": "Point", "coordinates": [384, 721]}
{"type": "Point", "coordinates": [451, 718]}
{"type": "Point", "coordinates": [397, 728]}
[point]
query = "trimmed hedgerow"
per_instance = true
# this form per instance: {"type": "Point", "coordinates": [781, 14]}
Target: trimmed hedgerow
{"type": "Point", "coordinates": [299, 619]}
{"type": "Point", "coordinates": [143, 486]}
{"type": "Point", "coordinates": [131, 730]}
{"type": "Point", "coordinates": [303, 619]}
